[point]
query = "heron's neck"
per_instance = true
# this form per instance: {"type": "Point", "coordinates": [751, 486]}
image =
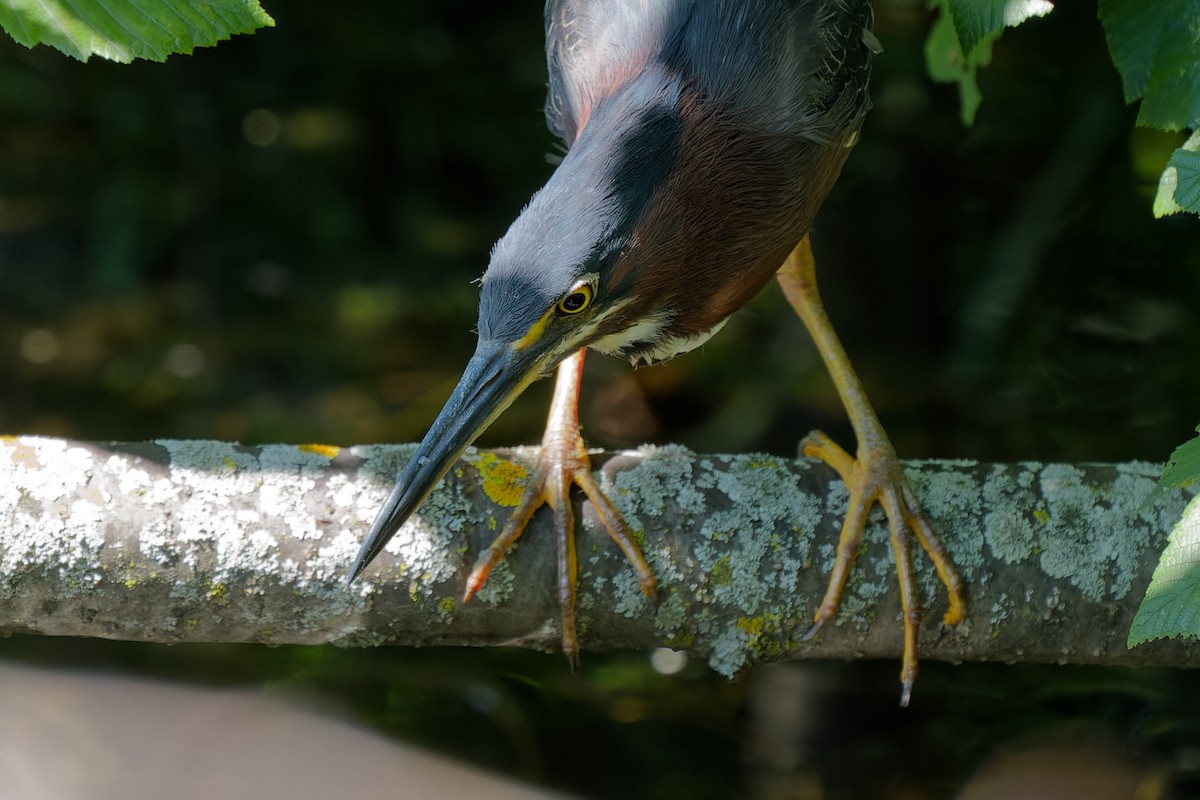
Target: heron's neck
{"type": "Point", "coordinates": [592, 202]}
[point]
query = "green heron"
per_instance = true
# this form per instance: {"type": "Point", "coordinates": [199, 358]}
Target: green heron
{"type": "Point", "coordinates": [702, 137]}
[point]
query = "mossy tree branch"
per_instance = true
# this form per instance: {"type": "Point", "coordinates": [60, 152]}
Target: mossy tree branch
{"type": "Point", "coordinates": [178, 541]}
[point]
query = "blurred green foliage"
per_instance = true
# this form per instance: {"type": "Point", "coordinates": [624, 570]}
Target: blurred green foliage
{"type": "Point", "coordinates": [275, 240]}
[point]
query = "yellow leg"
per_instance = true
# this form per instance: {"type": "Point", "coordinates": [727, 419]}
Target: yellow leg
{"type": "Point", "coordinates": [875, 476]}
{"type": "Point", "coordinates": [563, 462]}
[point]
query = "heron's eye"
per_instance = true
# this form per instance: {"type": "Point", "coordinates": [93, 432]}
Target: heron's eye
{"type": "Point", "coordinates": [576, 301]}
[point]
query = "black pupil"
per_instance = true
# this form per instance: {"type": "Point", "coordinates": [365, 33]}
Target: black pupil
{"type": "Point", "coordinates": [574, 302]}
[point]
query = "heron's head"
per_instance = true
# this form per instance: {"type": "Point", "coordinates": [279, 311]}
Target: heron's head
{"type": "Point", "coordinates": [562, 278]}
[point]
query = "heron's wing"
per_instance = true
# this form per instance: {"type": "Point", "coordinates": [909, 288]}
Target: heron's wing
{"type": "Point", "coordinates": [793, 66]}
{"type": "Point", "coordinates": [847, 46]}
{"type": "Point", "coordinates": [593, 47]}
{"type": "Point", "coordinates": [799, 65]}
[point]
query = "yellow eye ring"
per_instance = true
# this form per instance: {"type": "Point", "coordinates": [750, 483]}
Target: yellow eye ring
{"type": "Point", "coordinates": [579, 299]}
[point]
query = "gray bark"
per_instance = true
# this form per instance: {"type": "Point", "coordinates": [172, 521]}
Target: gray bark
{"type": "Point", "coordinates": [176, 541]}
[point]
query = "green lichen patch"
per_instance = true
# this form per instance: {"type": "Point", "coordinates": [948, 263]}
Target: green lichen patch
{"type": "Point", "coordinates": [1086, 542]}
{"type": "Point", "coordinates": [753, 499]}
{"type": "Point", "coordinates": [721, 573]}
{"type": "Point", "coordinates": [671, 616]}
{"type": "Point", "coordinates": [663, 478]}
{"type": "Point", "coordinates": [500, 583]}
{"type": "Point", "coordinates": [731, 651]}
{"type": "Point", "coordinates": [765, 635]}
{"type": "Point", "coordinates": [949, 494]}
{"type": "Point", "coordinates": [1011, 500]}
{"type": "Point", "coordinates": [629, 600]}
{"type": "Point", "coordinates": [744, 552]}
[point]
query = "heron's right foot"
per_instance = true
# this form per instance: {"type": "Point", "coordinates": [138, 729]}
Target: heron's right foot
{"type": "Point", "coordinates": [562, 463]}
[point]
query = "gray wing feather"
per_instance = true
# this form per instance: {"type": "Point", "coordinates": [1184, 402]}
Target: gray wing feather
{"type": "Point", "coordinates": [800, 66]}
{"type": "Point", "coordinates": [592, 46]}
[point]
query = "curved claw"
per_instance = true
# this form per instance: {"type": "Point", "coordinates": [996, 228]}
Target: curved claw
{"type": "Point", "coordinates": [812, 631]}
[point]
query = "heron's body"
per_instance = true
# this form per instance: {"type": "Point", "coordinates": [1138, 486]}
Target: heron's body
{"type": "Point", "coordinates": [702, 137]}
{"type": "Point", "coordinates": [732, 109]}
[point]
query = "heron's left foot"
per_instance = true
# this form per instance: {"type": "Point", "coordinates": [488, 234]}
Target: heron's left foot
{"type": "Point", "coordinates": [562, 463]}
{"type": "Point", "coordinates": [876, 476]}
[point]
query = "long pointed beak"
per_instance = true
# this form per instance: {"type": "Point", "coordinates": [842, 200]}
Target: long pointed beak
{"type": "Point", "coordinates": [494, 376]}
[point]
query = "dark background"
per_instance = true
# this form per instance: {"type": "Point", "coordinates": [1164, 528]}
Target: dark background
{"type": "Point", "coordinates": [273, 240]}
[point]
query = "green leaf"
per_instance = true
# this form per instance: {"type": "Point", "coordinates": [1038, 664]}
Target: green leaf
{"type": "Point", "coordinates": [945, 62]}
{"type": "Point", "coordinates": [1155, 46]}
{"type": "Point", "coordinates": [961, 39]}
{"type": "Point", "coordinates": [122, 30]}
{"type": "Point", "coordinates": [1179, 185]}
{"type": "Point", "coordinates": [975, 19]}
{"type": "Point", "coordinates": [1172, 604]}
{"type": "Point", "coordinates": [1183, 468]}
